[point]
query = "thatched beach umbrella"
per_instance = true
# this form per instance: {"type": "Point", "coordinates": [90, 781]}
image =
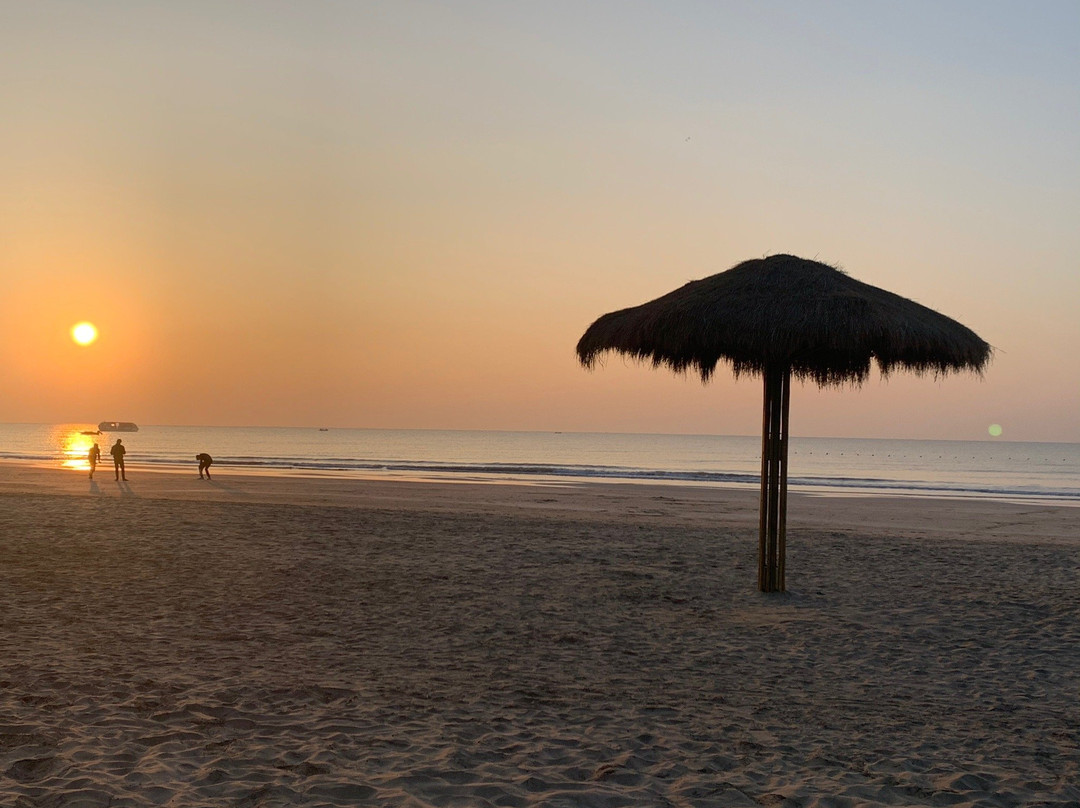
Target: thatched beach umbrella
{"type": "Point", "coordinates": [782, 316]}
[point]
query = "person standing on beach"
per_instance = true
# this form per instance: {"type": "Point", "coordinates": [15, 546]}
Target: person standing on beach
{"type": "Point", "coordinates": [94, 457]}
{"type": "Point", "coordinates": [204, 464]}
{"type": "Point", "coordinates": [118, 451]}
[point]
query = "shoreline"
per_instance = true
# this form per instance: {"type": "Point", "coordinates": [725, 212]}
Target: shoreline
{"type": "Point", "coordinates": [969, 518]}
{"type": "Point", "coordinates": [555, 481]}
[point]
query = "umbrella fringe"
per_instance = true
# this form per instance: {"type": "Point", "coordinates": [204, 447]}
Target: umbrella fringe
{"type": "Point", "coordinates": [822, 323]}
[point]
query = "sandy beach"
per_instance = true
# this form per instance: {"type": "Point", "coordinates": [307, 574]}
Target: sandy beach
{"type": "Point", "coordinates": [263, 641]}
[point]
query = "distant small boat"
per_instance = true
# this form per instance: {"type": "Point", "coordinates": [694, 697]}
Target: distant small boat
{"type": "Point", "coordinates": [91, 432]}
{"type": "Point", "coordinates": [323, 429]}
{"type": "Point", "coordinates": [118, 426]}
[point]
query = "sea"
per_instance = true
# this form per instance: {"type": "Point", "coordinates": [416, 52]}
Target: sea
{"type": "Point", "coordinates": [1014, 471]}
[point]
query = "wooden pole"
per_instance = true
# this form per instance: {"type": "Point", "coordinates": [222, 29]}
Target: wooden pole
{"type": "Point", "coordinates": [774, 481]}
{"type": "Point", "coordinates": [774, 489]}
{"type": "Point", "coordinates": [763, 504]}
{"type": "Point", "coordinates": [772, 520]}
{"type": "Point", "coordinates": [781, 545]}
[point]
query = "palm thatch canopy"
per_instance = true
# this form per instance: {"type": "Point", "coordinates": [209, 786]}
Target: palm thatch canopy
{"type": "Point", "coordinates": [792, 312]}
{"type": "Point", "coordinates": [781, 317]}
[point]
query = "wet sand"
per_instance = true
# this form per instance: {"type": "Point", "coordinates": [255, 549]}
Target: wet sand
{"type": "Point", "coordinates": [258, 641]}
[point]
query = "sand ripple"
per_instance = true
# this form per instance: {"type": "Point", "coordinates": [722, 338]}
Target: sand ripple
{"type": "Point", "coordinates": [175, 653]}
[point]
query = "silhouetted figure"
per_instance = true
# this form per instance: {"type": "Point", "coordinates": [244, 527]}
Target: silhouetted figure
{"type": "Point", "coordinates": [94, 457]}
{"type": "Point", "coordinates": [118, 451]}
{"type": "Point", "coordinates": [205, 462]}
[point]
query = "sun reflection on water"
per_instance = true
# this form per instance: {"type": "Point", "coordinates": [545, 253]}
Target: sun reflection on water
{"type": "Point", "coordinates": [75, 449]}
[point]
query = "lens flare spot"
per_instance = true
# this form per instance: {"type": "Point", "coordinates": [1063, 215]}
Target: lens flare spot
{"type": "Point", "coordinates": [84, 333]}
{"type": "Point", "coordinates": [995, 430]}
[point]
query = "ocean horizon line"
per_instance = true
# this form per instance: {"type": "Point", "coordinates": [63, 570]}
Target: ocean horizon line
{"type": "Point", "coordinates": [324, 427]}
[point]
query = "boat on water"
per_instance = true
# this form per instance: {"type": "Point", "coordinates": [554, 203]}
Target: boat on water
{"type": "Point", "coordinates": [118, 426]}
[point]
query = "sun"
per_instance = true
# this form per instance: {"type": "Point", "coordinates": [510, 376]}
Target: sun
{"type": "Point", "coordinates": [84, 333]}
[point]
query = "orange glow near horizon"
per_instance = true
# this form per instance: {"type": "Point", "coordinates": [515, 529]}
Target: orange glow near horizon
{"type": "Point", "coordinates": [407, 218]}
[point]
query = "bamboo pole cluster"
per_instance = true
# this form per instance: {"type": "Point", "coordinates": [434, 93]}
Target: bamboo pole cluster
{"type": "Point", "coordinates": [772, 525]}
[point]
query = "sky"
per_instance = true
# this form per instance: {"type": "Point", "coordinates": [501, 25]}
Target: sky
{"type": "Point", "coordinates": [405, 214]}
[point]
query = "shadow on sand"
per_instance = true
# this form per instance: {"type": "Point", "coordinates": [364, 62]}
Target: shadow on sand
{"type": "Point", "coordinates": [225, 487]}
